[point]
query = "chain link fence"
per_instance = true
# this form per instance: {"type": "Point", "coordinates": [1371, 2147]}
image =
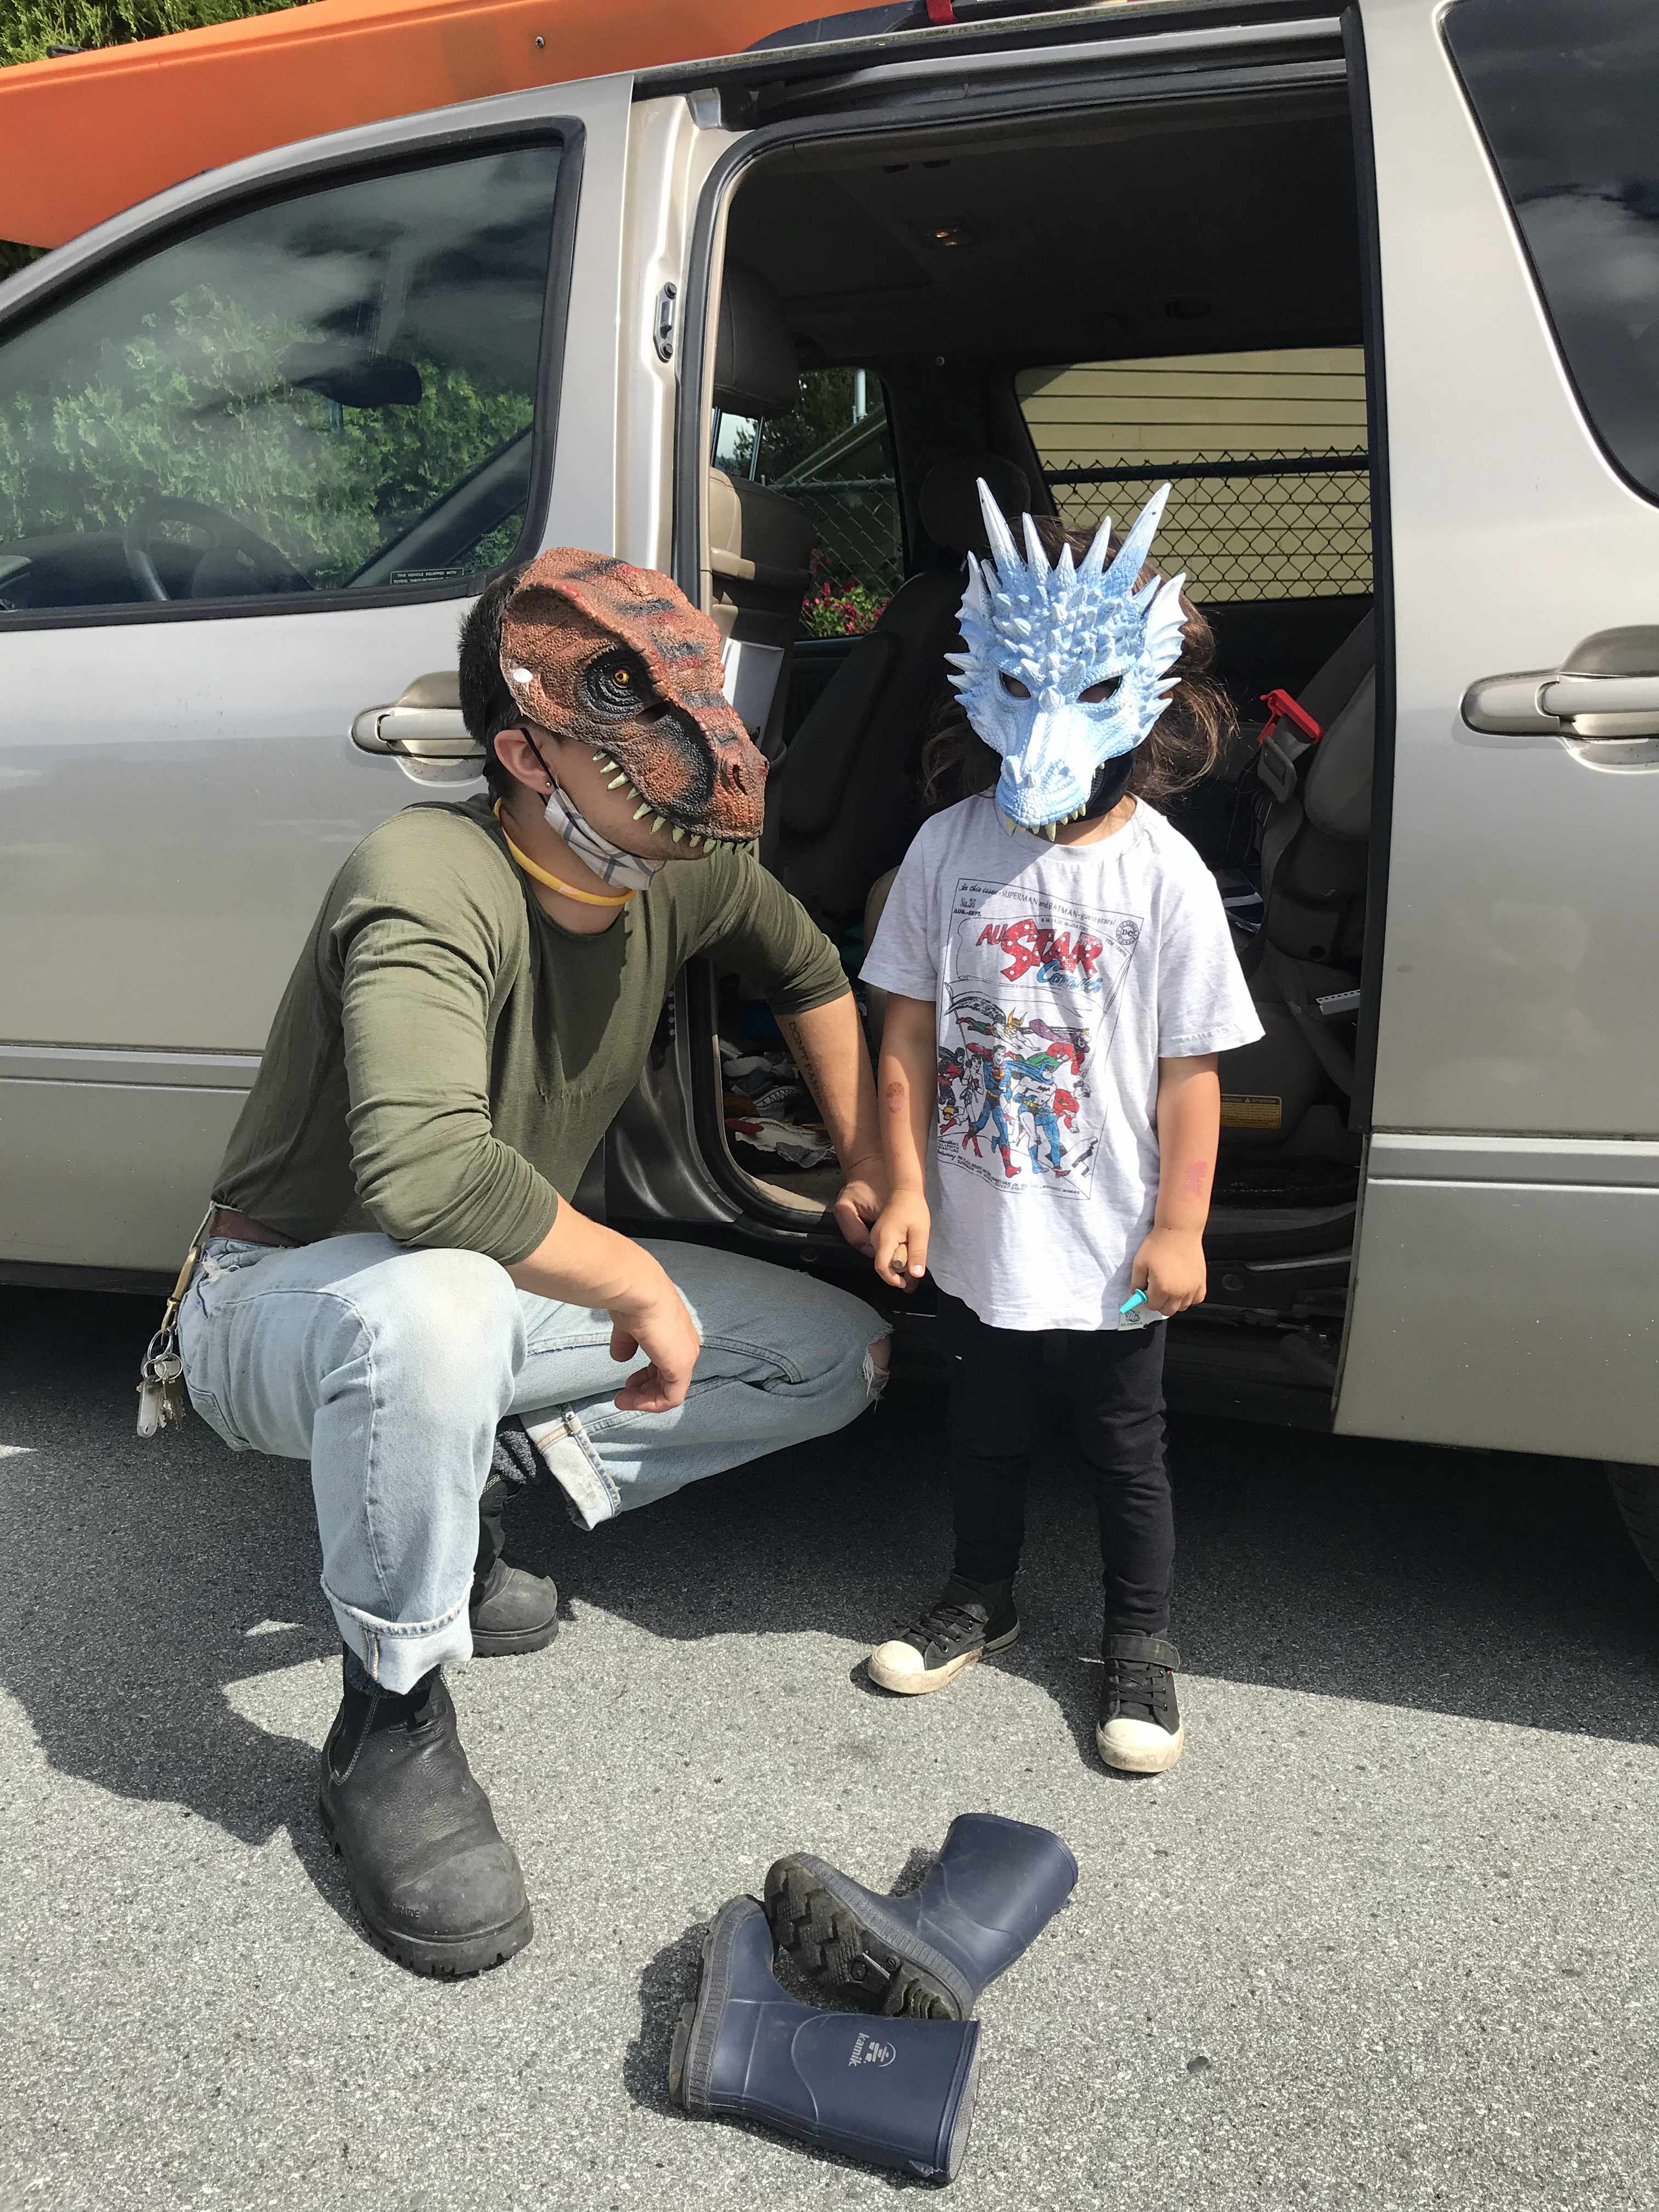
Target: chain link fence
{"type": "Point", "coordinates": [860, 548]}
{"type": "Point", "coordinates": [1278, 526]}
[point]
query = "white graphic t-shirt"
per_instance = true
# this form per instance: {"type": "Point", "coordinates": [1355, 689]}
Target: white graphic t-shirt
{"type": "Point", "coordinates": [1062, 974]}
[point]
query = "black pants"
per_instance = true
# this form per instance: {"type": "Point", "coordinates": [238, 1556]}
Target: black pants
{"type": "Point", "coordinates": [1004, 1409]}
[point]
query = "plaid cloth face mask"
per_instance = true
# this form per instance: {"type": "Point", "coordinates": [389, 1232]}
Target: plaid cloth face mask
{"type": "Point", "coordinates": [622, 871]}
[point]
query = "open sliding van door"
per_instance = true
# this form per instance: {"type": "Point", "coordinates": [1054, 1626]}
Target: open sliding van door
{"type": "Point", "coordinates": [928, 107]}
{"type": "Point", "coordinates": [1504, 1277]}
{"type": "Point", "coordinates": [261, 440]}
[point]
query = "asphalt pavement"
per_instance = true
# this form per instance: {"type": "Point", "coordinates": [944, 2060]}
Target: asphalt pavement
{"type": "Point", "coordinates": [1386, 1938]}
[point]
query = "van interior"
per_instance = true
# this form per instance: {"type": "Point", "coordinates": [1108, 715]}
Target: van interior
{"type": "Point", "coordinates": [1076, 309]}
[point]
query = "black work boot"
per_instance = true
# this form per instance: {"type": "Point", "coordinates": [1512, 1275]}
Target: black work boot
{"type": "Point", "coordinates": [1139, 1730]}
{"type": "Point", "coordinates": [963, 1622]}
{"type": "Point", "coordinates": [511, 1610]}
{"type": "Point", "coordinates": [438, 1887]}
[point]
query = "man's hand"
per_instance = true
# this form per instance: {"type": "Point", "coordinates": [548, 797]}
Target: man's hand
{"type": "Point", "coordinates": [582, 1263]}
{"type": "Point", "coordinates": [900, 1238]}
{"type": "Point", "coordinates": [863, 1195]}
{"type": "Point", "coordinates": [658, 1324]}
{"type": "Point", "coordinates": [1170, 1268]}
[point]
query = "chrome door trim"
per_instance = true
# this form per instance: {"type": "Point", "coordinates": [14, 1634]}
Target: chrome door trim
{"type": "Point", "coordinates": [1576, 1163]}
{"type": "Point", "coordinates": [140, 1064]}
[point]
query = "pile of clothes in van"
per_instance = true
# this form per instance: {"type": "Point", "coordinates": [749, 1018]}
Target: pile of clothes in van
{"type": "Point", "coordinates": [771, 1122]}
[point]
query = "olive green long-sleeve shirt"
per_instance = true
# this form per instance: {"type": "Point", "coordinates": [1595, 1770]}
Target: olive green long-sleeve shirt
{"type": "Point", "coordinates": [445, 1057]}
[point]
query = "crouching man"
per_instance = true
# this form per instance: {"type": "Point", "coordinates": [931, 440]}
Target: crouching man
{"type": "Point", "coordinates": [393, 1286]}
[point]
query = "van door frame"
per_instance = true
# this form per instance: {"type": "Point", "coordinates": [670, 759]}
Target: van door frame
{"type": "Point", "coordinates": [1129, 65]}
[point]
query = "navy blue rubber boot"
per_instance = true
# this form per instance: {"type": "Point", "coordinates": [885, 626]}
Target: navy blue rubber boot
{"type": "Point", "coordinates": [899, 2096]}
{"type": "Point", "coordinates": [992, 1890]}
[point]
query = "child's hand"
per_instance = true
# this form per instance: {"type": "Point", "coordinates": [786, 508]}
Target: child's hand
{"type": "Point", "coordinates": [900, 1238]}
{"type": "Point", "coordinates": [1170, 1268]}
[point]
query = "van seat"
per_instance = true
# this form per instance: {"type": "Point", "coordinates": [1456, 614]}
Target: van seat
{"type": "Point", "coordinates": [842, 804]}
{"type": "Point", "coordinates": [760, 542]}
{"type": "Point", "coordinates": [1287, 1093]}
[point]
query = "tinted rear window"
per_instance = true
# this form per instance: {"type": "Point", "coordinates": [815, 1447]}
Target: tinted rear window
{"type": "Point", "coordinates": [1567, 94]}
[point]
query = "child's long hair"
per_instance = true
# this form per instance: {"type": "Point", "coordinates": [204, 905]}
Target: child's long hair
{"type": "Point", "coordinates": [1185, 741]}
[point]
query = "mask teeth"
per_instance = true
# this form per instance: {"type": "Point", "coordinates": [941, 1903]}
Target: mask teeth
{"type": "Point", "coordinates": [679, 833]}
{"type": "Point", "coordinates": [659, 823]}
{"type": "Point", "coordinates": [1050, 828]}
{"type": "Point", "coordinates": [616, 783]}
{"type": "Point", "coordinates": [640, 813]}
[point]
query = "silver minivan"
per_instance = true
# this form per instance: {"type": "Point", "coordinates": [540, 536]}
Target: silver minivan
{"type": "Point", "coordinates": [1376, 286]}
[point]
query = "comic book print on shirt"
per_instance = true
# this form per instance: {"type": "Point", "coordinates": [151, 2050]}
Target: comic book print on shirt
{"type": "Point", "coordinates": [1029, 997]}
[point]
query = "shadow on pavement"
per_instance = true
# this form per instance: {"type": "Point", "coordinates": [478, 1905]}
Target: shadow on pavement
{"type": "Point", "coordinates": [1495, 1586]}
{"type": "Point", "coordinates": [1488, 1585]}
{"type": "Point", "coordinates": [150, 1577]}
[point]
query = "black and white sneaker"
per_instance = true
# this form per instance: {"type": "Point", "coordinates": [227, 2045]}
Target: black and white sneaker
{"type": "Point", "coordinates": [1139, 1730]}
{"type": "Point", "coordinates": [964, 1622]}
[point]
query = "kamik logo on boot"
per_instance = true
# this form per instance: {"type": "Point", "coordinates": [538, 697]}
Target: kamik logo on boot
{"type": "Point", "coordinates": [866, 2051]}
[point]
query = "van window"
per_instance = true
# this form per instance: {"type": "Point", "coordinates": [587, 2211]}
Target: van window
{"type": "Point", "coordinates": [332, 390]}
{"type": "Point", "coordinates": [1266, 453]}
{"type": "Point", "coordinates": [1563, 92]}
{"type": "Point", "coordinates": [832, 454]}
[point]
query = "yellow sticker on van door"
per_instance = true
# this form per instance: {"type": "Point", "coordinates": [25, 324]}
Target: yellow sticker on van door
{"type": "Point", "coordinates": [1243, 1109]}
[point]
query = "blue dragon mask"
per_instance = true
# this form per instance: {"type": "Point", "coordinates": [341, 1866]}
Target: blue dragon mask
{"type": "Point", "coordinates": [1067, 665]}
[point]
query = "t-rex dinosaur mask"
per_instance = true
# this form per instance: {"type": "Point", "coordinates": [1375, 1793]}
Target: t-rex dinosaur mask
{"type": "Point", "coordinates": [1068, 664]}
{"type": "Point", "coordinates": [619, 658]}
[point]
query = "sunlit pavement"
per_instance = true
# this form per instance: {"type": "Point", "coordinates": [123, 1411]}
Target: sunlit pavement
{"type": "Point", "coordinates": [1387, 1938]}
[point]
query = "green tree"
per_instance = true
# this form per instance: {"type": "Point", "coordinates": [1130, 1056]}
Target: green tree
{"type": "Point", "coordinates": [186, 409]}
{"type": "Point", "coordinates": [29, 29]}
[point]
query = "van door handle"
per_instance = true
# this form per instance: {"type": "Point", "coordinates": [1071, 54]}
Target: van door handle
{"type": "Point", "coordinates": [424, 723]}
{"type": "Point", "coordinates": [1602, 702]}
{"type": "Point", "coordinates": [1603, 706]}
{"type": "Point", "coordinates": [1507, 705]}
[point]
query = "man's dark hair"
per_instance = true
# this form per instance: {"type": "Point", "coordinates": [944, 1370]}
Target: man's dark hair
{"type": "Point", "coordinates": [486, 705]}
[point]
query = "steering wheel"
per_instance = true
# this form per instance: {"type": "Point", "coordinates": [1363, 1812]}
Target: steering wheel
{"type": "Point", "coordinates": [232, 550]}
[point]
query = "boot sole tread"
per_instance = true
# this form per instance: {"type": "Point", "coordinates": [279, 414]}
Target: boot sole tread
{"type": "Point", "coordinates": [825, 1933]}
{"type": "Point", "coordinates": [696, 2033]}
{"type": "Point", "coordinates": [511, 1643]}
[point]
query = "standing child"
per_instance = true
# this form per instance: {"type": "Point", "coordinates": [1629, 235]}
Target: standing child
{"type": "Point", "coordinates": [1062, 978]}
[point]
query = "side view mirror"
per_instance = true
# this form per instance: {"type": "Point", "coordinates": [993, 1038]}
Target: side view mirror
{"type": "Point", "coordinates": [352, 379]}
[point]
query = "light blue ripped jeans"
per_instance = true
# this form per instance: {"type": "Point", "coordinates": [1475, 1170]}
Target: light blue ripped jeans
{"type": "Point", "coordinates": [388, 1368]}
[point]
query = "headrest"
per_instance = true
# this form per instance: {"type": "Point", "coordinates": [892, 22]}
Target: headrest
{"type": "Point", "coordinates": [950, 499]}
{"type": "Point", "coordinates": [756, 367]}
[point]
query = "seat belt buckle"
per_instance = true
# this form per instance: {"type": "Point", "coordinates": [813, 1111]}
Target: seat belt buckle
{"type": "Point", "coordinates": [1288, 733]}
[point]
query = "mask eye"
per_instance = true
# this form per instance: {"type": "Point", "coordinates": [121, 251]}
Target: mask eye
{"type": "Point", "coordinates": [615, 685]}
{"type": "Point", "coordinates": [1098, 693]}
{"type": "Point", "coordinates": [1013, 687]}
